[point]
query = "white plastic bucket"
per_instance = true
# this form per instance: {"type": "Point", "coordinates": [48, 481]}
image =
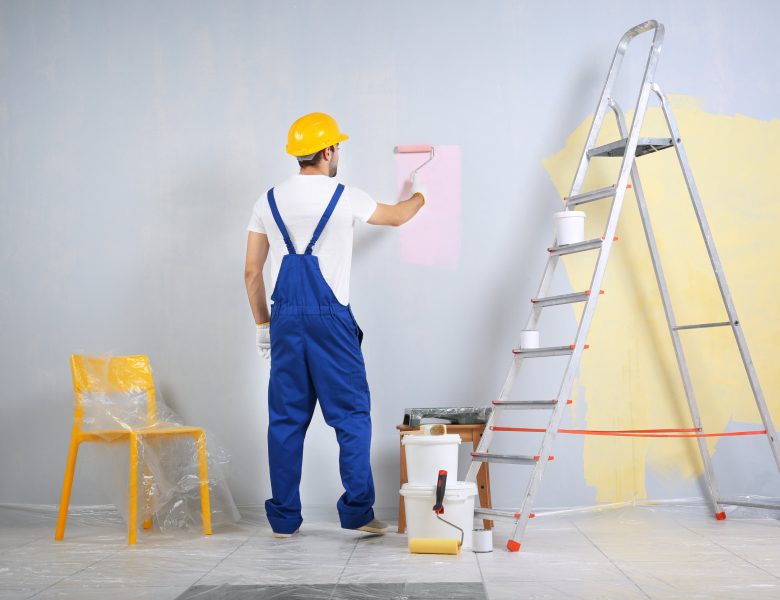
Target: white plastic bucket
{"type": "Point", "coordinates": [569, 227]}
{"type": "Point", "coordinates": [426, 455]}
{"type": "Point", "coordinates": [421, 522]}
{"type": "Point", "coordinates": [529, 338]}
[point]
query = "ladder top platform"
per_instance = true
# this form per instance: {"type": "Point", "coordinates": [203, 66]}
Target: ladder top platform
{"type": "Point", "coordinates": [644, 146]}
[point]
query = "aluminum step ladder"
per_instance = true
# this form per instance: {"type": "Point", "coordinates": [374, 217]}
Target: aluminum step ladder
{"type": "Point", "coordinates": [630, 145]}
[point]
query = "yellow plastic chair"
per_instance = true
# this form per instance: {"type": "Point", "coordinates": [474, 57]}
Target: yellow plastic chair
{"type": "Point", "coordinates": [117, 375]}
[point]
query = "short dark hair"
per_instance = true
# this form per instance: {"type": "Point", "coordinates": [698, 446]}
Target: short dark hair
{"type": "Point", "coordinates": [314, 160]}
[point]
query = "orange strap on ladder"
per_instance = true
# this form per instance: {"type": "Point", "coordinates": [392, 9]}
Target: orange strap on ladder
{"type": "Point", "coordinates": [660, 433]}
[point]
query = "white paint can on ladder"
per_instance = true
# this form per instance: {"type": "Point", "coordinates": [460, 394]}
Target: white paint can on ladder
{"type": "Point", "coordinates": [569, 227]}
{"type": "Point", "coordinates": [529, 339]}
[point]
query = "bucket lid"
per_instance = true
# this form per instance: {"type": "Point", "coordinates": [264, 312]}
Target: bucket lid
{"type": "Point", "coordinates": [430, 440]}
{"type": "Point", "coordinates": [456, 490]}
{"type": "Point", "coordinates": [569, 213]}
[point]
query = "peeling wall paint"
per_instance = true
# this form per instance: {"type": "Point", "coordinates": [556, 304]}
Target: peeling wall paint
{"type": "Point", "coordinates": [630, 375]}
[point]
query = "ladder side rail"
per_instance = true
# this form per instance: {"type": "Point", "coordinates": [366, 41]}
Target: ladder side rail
{"type": "Point", "coordinates": [595, 129]}
{"type": "Point", "coordinates": [573, 365]}
{"type": "Point", "coordinates": [629, 158]}
{"type": "Point", "coordinates": [543, 289]}
{"type": "Point", "coordinates": [728, 302]}
{"type": "Point", "coordinates": [609, 84]}
{"type": "Point", "coordinates": [593, 134]}
{"type": "Point", "coordinates": [690, 396]}
{"type": "Point", "coordinates": [604, 252]}
{"type": "Point", "coordinates": [554, 423]}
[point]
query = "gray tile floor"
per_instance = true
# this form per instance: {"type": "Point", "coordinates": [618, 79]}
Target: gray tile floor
{"type": "Point", "coordinates": [638, 552]}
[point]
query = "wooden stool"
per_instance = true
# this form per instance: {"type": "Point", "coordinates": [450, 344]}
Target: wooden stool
{"type": "Point", "coordinates": [468, 433]}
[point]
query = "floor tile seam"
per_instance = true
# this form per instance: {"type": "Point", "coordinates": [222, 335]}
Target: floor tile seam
{"type": "Point", "coordinates": [32, 541]}
{"type": "Point", "coordinates": [344, 568]}
{"type": "Point", "coordinates": [555, 579]}
{"type": "Point", "coordinates": [645, 594]}
{"type": "Point", "coordinates": [141, 586]}
{"type": "Point", "coordinates": [65, 577]}
{"type": "Point", "coordinates": [224, 558]}
{"type": "Point", "coordinates": [562, 592]}
{"type": "Point", "coordinates": [479, 566]}
{"type": "Point", "coordinates": [667, 583]}
{"type": "Point", "coordinates": [733, 553]}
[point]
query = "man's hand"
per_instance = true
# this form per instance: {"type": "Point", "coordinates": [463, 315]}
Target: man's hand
{"type": "Point", "coordinates": [419, 188]}
{"type": "Point", "coordinates": [263, 339]}
{"type": "Point", "coordinates": [398, 214]}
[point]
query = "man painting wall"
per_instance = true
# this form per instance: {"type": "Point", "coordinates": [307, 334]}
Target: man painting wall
{"type": "Point", "coordinates": [311, 335]}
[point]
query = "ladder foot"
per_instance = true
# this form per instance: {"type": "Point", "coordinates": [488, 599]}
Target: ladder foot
{"type": "Point", "coordinates": [721, 516]}
{"type": "Point", "coordinates": [513, 546]}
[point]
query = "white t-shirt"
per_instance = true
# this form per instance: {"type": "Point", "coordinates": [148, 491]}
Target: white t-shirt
{"type": "Point", "coordinates": [301, 200]}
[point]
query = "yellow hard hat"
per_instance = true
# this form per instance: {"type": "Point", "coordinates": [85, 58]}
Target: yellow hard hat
{"type": "Point", "coordinates": [312, 133]}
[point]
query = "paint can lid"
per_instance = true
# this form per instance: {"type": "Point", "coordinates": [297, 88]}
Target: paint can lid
{"type": "Point", "coordinates": [430, 440]}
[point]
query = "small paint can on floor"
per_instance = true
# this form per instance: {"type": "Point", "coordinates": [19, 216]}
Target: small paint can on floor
{"type": "Point", "coordinates": [482, 540]}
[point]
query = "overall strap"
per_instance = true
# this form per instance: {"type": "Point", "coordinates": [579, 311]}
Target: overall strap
{"type": "Point", "coordinates": [279, 222]}
{"type": "Point", "coordinates": [324, 220]}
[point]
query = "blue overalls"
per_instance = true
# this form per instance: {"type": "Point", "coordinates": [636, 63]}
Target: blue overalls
{"type": "Point", "coordinates": [315, 353]}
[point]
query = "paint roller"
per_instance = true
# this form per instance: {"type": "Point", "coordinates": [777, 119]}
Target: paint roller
{"type": "Point", "coordinates": [437, 545]}
{"type": "Point", "coordinates": [416, 149]}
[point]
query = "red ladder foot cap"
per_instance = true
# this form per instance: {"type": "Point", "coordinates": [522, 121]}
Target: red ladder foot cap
{"type": "Point", "coordinates": [513, 546]}
{"type": "Point", "coordinates": [721, 516]}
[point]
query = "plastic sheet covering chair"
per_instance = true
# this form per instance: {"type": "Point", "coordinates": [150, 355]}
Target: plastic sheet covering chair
{"type": "Point", "coordinates": [126, 378]}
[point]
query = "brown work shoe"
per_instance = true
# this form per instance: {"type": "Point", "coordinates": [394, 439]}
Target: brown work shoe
{"type": "Point", "coordinates": [282, 536]}
{"type": "Point", "coordinates": [374, 526]}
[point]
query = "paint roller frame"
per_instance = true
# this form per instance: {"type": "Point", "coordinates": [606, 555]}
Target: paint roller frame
{"type": "Point", "coordinates": [417, 149]}
{"type": "Point", "coordinates": [438, 545]}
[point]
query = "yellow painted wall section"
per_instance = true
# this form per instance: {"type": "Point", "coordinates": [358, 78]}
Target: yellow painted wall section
{"type": "Point", "coordinates": [630, 376]}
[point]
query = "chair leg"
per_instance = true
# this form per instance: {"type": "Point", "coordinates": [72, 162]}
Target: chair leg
{"type": "Point", "coordinates": [203, 472]}
{"type": "Point", "coordinates": [67, 486]}
{"type": "Point", "coordinates": [132, 517]}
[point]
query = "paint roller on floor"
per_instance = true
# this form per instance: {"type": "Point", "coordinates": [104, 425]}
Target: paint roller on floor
{"type": "Point", "coordinates": [434, 545]}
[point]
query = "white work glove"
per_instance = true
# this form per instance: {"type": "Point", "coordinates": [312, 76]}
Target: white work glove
{"type": "Point", "coordinates": [263, 340]}
{"type": "Point", "coordinates": [419, 188]}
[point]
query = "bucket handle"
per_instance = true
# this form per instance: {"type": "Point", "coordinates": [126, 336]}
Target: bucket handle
{"type": "Point", "coordinates": [438, 508]}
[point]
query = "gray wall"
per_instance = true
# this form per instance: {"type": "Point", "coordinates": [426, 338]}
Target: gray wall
{"type": "Point", "coordinates": [136, 136]}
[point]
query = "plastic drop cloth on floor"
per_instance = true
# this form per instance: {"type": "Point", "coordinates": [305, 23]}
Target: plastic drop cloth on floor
{"type": "Point", "coordinates": [348, 591]}
{"type": "Point", "coordinates": [662, 550]}
{"type": "Point", "coordinates": [116, 400]}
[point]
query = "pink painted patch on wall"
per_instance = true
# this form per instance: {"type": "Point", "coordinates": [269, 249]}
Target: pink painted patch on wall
{"type": "Point", "coordinates": [432, 237]}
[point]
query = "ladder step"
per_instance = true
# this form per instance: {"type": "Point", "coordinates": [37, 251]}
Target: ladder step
{"type": "Point", "coordinates": [601, 193]}
{"type": "Point", "coordinates": [705, 325]}
{"type": "Point", "coordinates": [562, 299]}
{"type": "Point", "coordinates": [549, 351]}
{"type": "Point", "coordinates": [500, 515]}
{"type": "Point", "coordinates": [526, 404]}
{"type": "Point", "coordinates": [644, 146]}
{"type": "Point", "coordinates": [773, 505]}
{"type": "Point", "coordinates": [515, 459]}
{"type": "Point", "coordinates": [577, 247]}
